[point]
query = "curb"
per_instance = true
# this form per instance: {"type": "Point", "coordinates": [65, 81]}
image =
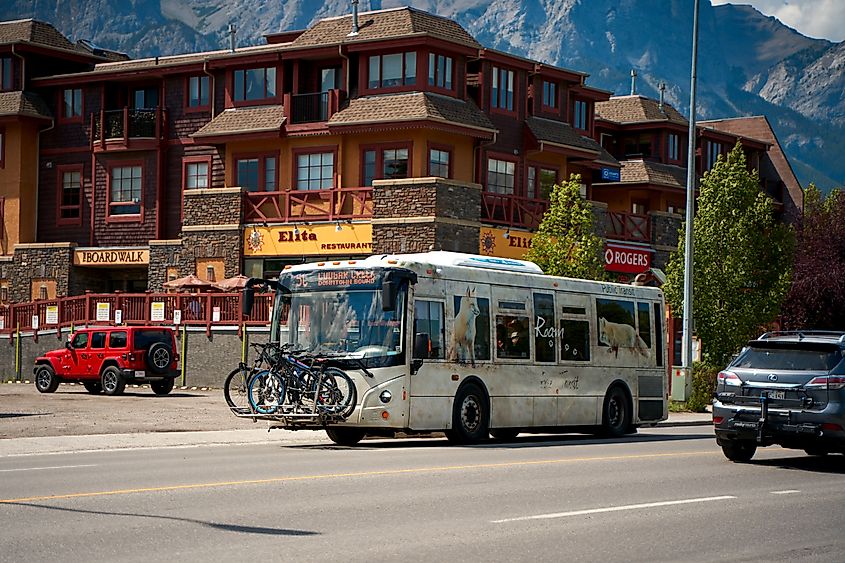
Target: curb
{"type": "Point", "coordinates": [667, 423]}
{"type": "Point", "coordinates": [133, 386]}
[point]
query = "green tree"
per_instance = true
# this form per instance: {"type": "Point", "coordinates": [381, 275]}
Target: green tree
{"type": "Point", "coordinates": [566, 243]}
{"type": "Point", "coordinates": [742, 260]}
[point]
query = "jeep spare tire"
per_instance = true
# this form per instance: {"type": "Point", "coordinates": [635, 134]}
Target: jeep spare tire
{"type": "Point", "coordinates": [159, 358]}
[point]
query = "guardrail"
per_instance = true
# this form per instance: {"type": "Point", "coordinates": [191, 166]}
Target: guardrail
{"type": "Point", "coordinates": [310, 205]}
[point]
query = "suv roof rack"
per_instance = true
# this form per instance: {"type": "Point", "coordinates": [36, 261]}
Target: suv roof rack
{"type": "Point", "coordinates": [803, 333]}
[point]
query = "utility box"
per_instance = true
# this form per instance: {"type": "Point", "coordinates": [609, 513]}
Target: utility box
{"type": "Point", "coordinates": [681, 384]}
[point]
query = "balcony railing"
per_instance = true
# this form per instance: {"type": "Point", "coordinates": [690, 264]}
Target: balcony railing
{"type": "Point", "coordinates": [512, 211]}
{"type": "Point", "coordinates": [312, 205]}
{"type": "Point", "coordinates": [125, 124]}
{"type": "Point", "coordinates": [312, 107]}
{"type": "Point", "coordinates": [628, 226]}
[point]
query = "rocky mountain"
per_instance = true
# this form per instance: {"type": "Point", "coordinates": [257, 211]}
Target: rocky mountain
{"type": "Point", "coordinates": [749, 64]}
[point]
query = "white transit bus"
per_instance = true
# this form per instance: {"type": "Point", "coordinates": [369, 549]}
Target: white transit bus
{"type": "Point", "coordinates": [476, 346]}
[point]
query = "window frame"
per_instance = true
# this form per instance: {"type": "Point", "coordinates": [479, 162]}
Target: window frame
{"type": "Point", "coordinates": [7, 62]}
{"type": "Point", "coordinates": [63, 117]}
{"type": "Point", "coordinates": [404, 86]}
{"type": "Point", "coordinates": [434, 75]}
{"type": "Point", "coordinates": [61, 170]}
{"type": "Point", "coordinates": [539, 166]}
{"type": "Point", "coordinates": [714, 150]}
{"type": "Point", "coordinates": [576, 102]}
{"type": "Point", "coordinates": [2, 147]}
{"type": "Point", "coordinates": [442, 356]}
{"type": "Point", "coordinates": [379, 150]}
{"type": "Point", "coordinates": [556, 100]}
{"type": "Point", "coordinates": [495, 87]}
{"type": "Point", "coordinates": [187, 161]}
{"type": "Point", "coordinates": [187, 107]}
{"type": "Point", "coordinates": [296, 153]}
{"type": "Point", "coordinates": [125, 217]}
{"type": "Point", "coordinates": [266, 100]}
{"type": "Point", "coordinates": [448, 149]}
{"type": "Point", "coordinates": [677, 155]}
{"type": "Point", "coordinates": [262, 168]}
{"type": "Point", "coordinates": [503, 158]}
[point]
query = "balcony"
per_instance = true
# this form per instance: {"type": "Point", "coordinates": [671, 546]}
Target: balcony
{"type": "Point", "coordinates": [512, 211]}
{"type": "Point", "coordinates": [312, 205]}
{"type": "Point", "coordinates": [628, 227]}
{"type": "Point", "coordinates": [127, 128]}
{"type": "Point", "coordinates": [314, 107]}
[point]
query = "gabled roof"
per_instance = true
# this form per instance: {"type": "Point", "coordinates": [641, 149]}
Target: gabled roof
{"type": "Point", "coordinates": [241, 121]}
{"type": "Point", "coordinates": [652, 173]}
{"type": "Point", "coordinates": [36, 32]}
{"type": "Point", "coordinates": [24, 104]}
{"type": "Point", "coordinates": [638, 109]}
{"type": "Point", "coordinates": [397, 23]}
{"type": "Point", "coordinates": [560, 133]}
{"type": "Point", "coordinates": [413, 106]}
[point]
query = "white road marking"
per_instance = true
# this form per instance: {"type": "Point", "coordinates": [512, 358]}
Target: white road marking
{"type": "Point", "coordinates": [42, 468]}
{"type": "Point", "coordinates": [786, 492]}
{"type": "Point", "coordinates": [613, 509]}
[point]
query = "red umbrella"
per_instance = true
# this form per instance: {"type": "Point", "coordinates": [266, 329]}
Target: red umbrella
{"type": "Point", "coordinates": [232, 284]}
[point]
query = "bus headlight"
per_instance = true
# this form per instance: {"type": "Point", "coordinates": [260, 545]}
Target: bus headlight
{"type": "Point", "coordinates": [385, 396]}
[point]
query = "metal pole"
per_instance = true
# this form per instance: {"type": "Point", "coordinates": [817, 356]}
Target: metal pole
{"type": "Point", "coordinates": [686, 348]}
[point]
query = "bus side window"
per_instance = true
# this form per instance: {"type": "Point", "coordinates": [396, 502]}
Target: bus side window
{"type": "Point", "coordinates": [575, 340]}
{"type": "Point", "coordinates": [644, 323]}
{"type": "Point", "coordinates": [428, 319]}
{"type": "Point", "coordinates": [544, 333]}
{"type": "Point", "coordinates": [658, 333]}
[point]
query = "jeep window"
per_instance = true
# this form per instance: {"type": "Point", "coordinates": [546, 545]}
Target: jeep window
{"type": "Point", "coordinates": [145, 338]}
{"type": "Point", "coordinates": [788, 359]}
{"type": "Point", "coordinates": [80, 340]}
{"type": "Point", "coordinates": [98, 340]}
{"type": "Point", "coordinates": [117, 340]}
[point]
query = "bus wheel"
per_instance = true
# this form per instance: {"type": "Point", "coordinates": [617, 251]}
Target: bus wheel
{"type": "Point", "coordinates": [504, 434]}
{"type": "Point", "coordinates": [345, 436]}
{"type": "Point", "coordinates": [616, 414]}
{"type": "Point", "coordinates": [469, 416]}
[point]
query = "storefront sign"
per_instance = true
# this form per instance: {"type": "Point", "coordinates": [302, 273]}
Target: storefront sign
{"type": "Point", "coordinates": [111, 257]}
{"type": "Point", "coordinates": [309, 240]}
{"type": "Point", "coordinates": [504, 243]}
{"type": "Point", "coordinates": [627, 259]}
{"type": "Point", "coordinates": [611, 174]}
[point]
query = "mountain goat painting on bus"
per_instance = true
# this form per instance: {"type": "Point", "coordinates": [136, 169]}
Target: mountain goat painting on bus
{"type": "Point", "coordinates": [462, 348]}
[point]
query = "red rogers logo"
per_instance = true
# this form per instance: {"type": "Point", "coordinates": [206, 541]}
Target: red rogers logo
{"type": "Point", "coordinates": [628, 260]}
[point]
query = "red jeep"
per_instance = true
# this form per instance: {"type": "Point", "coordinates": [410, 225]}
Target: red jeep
{"type": "Point", "coordinates": [107, 358]}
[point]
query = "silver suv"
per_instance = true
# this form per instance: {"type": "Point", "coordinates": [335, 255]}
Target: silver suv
{"type": "Point", "coordinates": [785, 388]}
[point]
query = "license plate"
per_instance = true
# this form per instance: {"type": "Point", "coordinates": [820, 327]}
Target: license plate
{"type": "Point", "coordinates": [140, 373]}
{"type": "Point", "coordinates": [777, 395]}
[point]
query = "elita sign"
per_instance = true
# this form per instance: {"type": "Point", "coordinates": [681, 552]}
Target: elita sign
{"type": "Point", "coordinates": [626, 259]}
{"type": "Point", "coordinates": [111, 257]}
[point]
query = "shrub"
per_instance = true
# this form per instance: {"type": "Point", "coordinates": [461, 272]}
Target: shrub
{"type": "Point", "coordinates": [703, 386]}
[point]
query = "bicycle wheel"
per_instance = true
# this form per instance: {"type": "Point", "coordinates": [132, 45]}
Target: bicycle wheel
{"type": "Point", "coordinates": [266, 392]}
{"type": "Point", "coordinates": [337, 393]}
{"type": "Point", "coordinates": [236, 388]}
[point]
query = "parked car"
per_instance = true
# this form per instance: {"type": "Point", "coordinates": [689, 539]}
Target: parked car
{"type": "Point", "coordinates": [785, 388]}
{"type": "Point", "coordinates": [105, 359]}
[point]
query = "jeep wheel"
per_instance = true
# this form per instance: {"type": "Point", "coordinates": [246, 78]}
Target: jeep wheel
{"type": "Point", "coordinates": [162, 387]}
{"type": "Point", "coordinates": [159, 357]}
{"type": "Point", "coordinates": [93, 387]}
{"type": "Point", "coordinates": [112, 381]}
{"type": "Point", "coordinates": [45, 379]}
{"type": "Point", "coordinates": [740, 451]}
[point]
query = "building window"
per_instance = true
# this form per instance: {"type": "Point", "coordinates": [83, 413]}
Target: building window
{"type": "Point", "coordinates": [315, 171]}
{"type": "Point", "coordinates": [540, 182]}
{"type": "Point", "coordinates": [2, 148]}
{"type": "Point", "coordinates": [440, 71]}
{"type": "Point", "coordinates": [256, 173]}
{"type": "Point", "coordinates": [125, 190]}
{"type": "Point", "coordinates": [639, 207]}
{"type": "Point", "coordinates": [72, 103]}
{"type": "Point", "coordinates": [673, 146]}
{"type": "Point", "coordinates": [196, 174]}
{"type": "Point", "coordinates": [387, 163]}
{"type": "Point", "coordinates": [500, 176]}
{"type": "Point", "coordinates": [329, 79]}
{"type": "Point", "coordinates": [638, 145]}
{"type": "Point", "coordinates": [502, 88]}
{"type": "Point", "coordinates": [438, 163]}
{"type": "Point", "coordinates": [6, 74]}
{"type": "Point", "coordinates": [713, 152]}
{"type": "Point", "coordinates": [145, 98]}
{"type": "Point", "coordinates": [255, 84]}
{"type": "Point", "coordinates": [549, 94]}
{"type": "Point", "coordinates": [580, 121]}
{"type": "Point", "coordinates": [70, 194]}
{"type": "Point", "coordinates": [392, 71]}
{"type": "Point", "coordinates": [198, 91]}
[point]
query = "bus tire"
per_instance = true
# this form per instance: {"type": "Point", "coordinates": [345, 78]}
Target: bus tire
{"type": "Point", "coordinates": [470, 416]}
{"type": "Point", "coordinates": [616, 413]}
{"type": "Point", "coordinates": [345, 436]}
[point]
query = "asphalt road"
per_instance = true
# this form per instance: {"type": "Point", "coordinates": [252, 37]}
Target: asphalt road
{"type": "Point", "coordinates": [666, 494]}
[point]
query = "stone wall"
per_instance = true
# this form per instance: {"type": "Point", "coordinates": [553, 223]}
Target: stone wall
{"type": "Point", "coordinates": [665, 236]}
{"type": "Point", "coordinates": [38, 261]}
{"type": "Point", "coordinates": [164, 254]}
{"type": "Point", "coordinates": [219, 206]}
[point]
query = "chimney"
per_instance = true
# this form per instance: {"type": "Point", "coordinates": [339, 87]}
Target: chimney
{"type": "Point", "coordinates": [633, 81]}
{"type": "Point", "coordinates": [354, 31]}
{"type": "Point", "coordinates": [662, 88]}
{"type": "Point", "coordinates": [232, 32]}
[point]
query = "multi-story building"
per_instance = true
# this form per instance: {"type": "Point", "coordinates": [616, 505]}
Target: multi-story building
{"type": "Point", "coordinates": [402, 133]}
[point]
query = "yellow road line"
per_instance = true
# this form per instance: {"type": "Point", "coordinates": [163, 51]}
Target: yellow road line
{"type": "Point", "coordinates": [353, 474]}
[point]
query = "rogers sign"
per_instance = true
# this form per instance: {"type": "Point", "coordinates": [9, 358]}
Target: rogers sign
{"type": "Point", "coordinates": [626, 259]}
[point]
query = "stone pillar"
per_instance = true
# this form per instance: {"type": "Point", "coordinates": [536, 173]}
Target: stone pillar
{"type": "Point", "coordinates": [601, 219]}
{"type": "Point", "coordinates": [211, 229]}
{"type": "Point", "coordinates": [49, 264]}
{"type": "Point", "coordinates": [665, 236]}
{"type": "Point", "coordinates": [164, 255]}
{"type": "Point", "coordinates": [422, 214]}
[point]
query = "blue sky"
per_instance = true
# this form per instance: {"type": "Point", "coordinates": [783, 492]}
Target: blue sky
{"type": "Point", "coordinates": [822, 19]}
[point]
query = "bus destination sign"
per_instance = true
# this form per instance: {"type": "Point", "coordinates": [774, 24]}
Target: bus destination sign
{"type": "Point", "coordinates": [357, 279]}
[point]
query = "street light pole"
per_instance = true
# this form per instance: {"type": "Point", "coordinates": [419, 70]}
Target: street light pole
{"type": "Point", "coordinates": [686, 347]}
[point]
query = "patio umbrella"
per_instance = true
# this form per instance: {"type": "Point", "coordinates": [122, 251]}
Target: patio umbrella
{"type": "Point", "coordinates": [189, 282]}
{"type": "Point", "coordinates": [232, 284]}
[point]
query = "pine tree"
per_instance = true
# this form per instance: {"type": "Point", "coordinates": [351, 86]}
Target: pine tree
{"type": "Point", "coordinates": [742, 260]}
{"type": "Point", "coordinates": [565, 243]}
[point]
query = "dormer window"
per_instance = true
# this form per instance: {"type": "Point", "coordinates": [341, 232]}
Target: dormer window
{"type": "Point", "coordinates": [392, 71]}
{"type": "Point", "coordinates": [673, 146]}
{"type": "Point", "coordinates": [502, 95]}
{"type": "Point", "coordinates": [6, 74]}
{"type": "Point", "coordinates": [254, 84]}
{"type": "Point", "coordinates": [72, 104]}
{"type": "Point", "coordinates": [549, 94]}
{"type": "Point", "coordinates": [440, 71]}
{"type": "Point", "coordinates": [581, 115]}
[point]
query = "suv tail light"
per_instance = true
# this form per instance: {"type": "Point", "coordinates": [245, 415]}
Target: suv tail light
{"type": "Point", "coordinates": [829, 381]}
{"type": "Point", "coordinates": [728, 378]}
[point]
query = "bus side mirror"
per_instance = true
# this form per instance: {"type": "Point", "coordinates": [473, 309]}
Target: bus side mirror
{"type": "Point", "coordinates": [248, 300]}
{"type": "Point", "coordinates": [422, 346]}
{"type": "Point", "coordinates": [388, 296]}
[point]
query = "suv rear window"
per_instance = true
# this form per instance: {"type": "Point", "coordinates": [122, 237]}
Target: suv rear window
{"type": "Point", "coordinates": [146, 338]}
{"type": "Point", "coordinates": [790, 359]}
{"type": "Point", "coordinates": [117, 340]}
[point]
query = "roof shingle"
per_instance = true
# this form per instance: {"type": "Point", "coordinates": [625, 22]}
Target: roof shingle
{"type": "Point", "coordinates": [654, 173]}
{"type": "Point", "coordinates": [239, 121]}
{"type": "Point", "coordinates": [23, 104]}
{"type": "Point", "coordinates": [637, 109]}
{"type": "Point", "coordinates": [560, 133]}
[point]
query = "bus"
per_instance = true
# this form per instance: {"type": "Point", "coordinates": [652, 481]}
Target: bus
{"type": "Point", "coordinates": [475, 346]}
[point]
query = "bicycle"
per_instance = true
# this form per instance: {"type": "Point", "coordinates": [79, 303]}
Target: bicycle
{"type": "Point", "coordinates": [236, 385]}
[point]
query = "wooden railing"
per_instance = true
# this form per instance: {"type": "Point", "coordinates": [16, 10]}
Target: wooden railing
{"type": "Point", "coordinates": [312, 107]}
{"type": "Point", "coordinates": [197, 309]}
{"type": "Point", "coordinates": [127, 123]}
{"type": "Point", "coordinates": [311, 205]}
{"type": "Point", "coordinates": [512, 211]}
{"type": "Point", "coordinates": [628, 226]}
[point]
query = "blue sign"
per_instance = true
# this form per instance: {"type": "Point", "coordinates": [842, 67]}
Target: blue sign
{"type": "Point", "coordinates": [610, 174]}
